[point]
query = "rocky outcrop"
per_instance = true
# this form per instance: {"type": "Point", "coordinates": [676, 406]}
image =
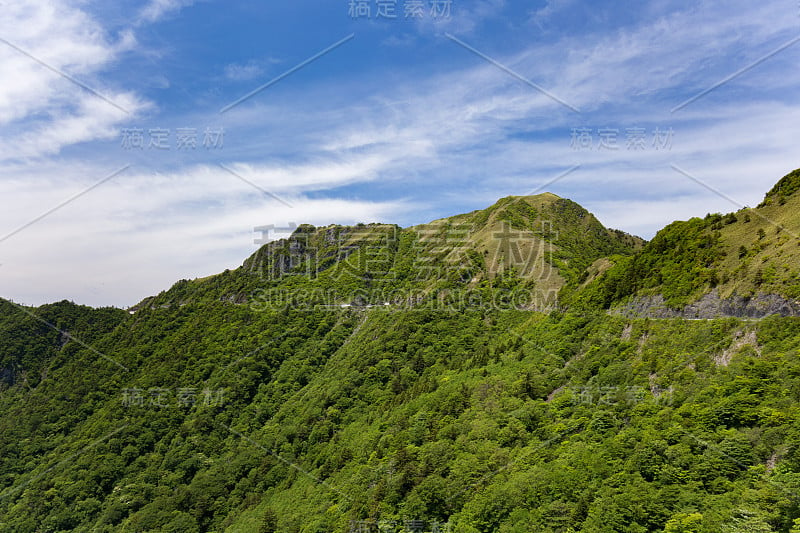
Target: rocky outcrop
{"type": "Point", "coordinates": [740, 340]}
{"type": "Point", "coordinates": [711, 305]}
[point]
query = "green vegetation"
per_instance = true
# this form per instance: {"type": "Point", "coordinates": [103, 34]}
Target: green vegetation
{"type": "Point", "coordinates": [493, 421]}
{"type": "Point", "coordinates": [786, 187]}
{"type": "Point", "coordinates": [679, 263]}
{"type": "Point", "coordinates": [751, 252]}
{"type": "Point", "coordinates": [285, 396]}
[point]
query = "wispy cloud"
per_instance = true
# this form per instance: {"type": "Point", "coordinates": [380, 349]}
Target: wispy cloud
{"type": "Point", "coordinates": [52, 96]}
{"type": "Point", "coordinates": [463, 17]}
{"type": "Point", "coordinates": [249, 70]}
{"type": "Point", "coordinates": [157, 9]}
{"type": "Point", "coordinates": [243, 72]}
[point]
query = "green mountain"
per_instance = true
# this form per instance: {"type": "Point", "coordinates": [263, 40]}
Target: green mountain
{"type": "Point", "coordinates": [745, 263]}
{"type": "Point", "coordinates": [497, 371]}
{"type": "Point", "coordinates": [521, 249]}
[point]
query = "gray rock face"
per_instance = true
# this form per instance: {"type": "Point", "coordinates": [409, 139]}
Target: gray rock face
{"type": "Point", "coordinates": [711, 306]}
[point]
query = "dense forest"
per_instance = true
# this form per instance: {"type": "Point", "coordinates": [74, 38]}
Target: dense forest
{"type": "Point", "coordinates": [499, 371]}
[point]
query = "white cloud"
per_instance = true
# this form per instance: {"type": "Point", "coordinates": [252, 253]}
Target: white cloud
{"type": "Point", "coordinates": [243, 72]}
{"type": "Point", "coordinates": [157, 9]}
{"type": "Point", "coordinates": [249, 70]}
{"type": "Point", "coordinates": [84, 119]}
{"type": "Point", "coordinates": [465, 130]}
{"type": "Point", "coordinates": [50, 96]}
{"type": "Point", "coordinates": [89, 255]}
{"type": "Point", "coordinates": [461, 17]}
{"type": "Point", "coordinates": [543, 15]}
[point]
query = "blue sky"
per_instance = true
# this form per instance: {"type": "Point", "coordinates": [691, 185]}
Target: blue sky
{"type": "Point", "coordinates": [404, 120]}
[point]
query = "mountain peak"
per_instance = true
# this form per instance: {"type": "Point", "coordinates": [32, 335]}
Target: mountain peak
{"type": "Point", "coordinates": [786, 187]}
{"type": "Point", "coordinates": [540, 196]}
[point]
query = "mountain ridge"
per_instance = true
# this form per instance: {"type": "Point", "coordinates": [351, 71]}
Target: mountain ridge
{"type": "Point", "coordinates": [540, 242]}
{"type": "Point", "coordinates": [545, 246]}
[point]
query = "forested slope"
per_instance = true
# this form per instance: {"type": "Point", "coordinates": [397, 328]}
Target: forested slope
{"type": "Point", "coordinates": [338, 382]}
